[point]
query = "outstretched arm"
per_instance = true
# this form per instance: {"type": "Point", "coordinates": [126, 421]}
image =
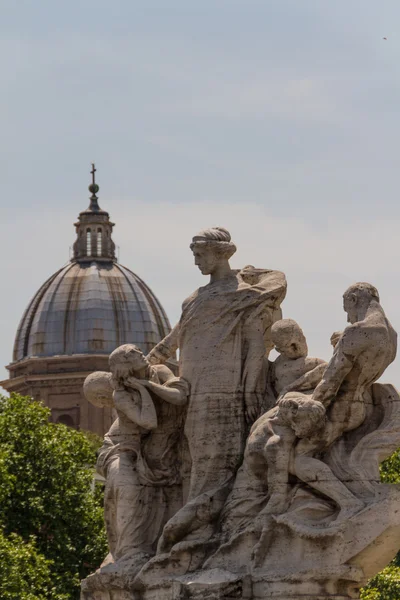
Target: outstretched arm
{"type": "Point", "coordinates": [166, 348]}
{"type": "Point", "coordinates": [308, 381]}
{"type": "Point", "coordinates": [174, 391]}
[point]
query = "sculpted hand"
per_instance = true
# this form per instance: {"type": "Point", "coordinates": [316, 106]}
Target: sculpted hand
{"type": "Point", "coordinates": [252, 411]}
{"type": "Point", "coordinates": [153, 359]}
{"type": "Point", "coordinates": [137, 384]}
{"type": "Point", "coordinates": [283, 392]}
{"type": "Point", "coordinates": [144, 382]}
{"type": "Point", "coordinates": [251, 414]}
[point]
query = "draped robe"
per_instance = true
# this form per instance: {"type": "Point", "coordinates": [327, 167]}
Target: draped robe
{"type": "Point", "coordinates": [222, 337]}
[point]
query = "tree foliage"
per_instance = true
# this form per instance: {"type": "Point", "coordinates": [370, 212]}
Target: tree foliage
{"type": "Point", "coordinates": [47, 507]}
{"type": "Point", "coordinates": [25, 573]}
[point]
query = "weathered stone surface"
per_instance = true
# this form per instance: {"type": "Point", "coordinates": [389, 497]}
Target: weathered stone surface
{"type": "Point", "coordinates": [266, 485]}
{"type": "Point", "coordinates": [140, 459]}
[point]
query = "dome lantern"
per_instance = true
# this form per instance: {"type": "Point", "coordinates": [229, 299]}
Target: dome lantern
{"type": "Point", "coordinates": [93, 230]}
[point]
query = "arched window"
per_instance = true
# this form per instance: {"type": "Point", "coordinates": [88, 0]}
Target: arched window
{"type": "Point", "coordinates": [99, 242]}
{"type": "Point", "coordinates": [88, 242]}
{"type": "Point", "coordinates": [66, 420]}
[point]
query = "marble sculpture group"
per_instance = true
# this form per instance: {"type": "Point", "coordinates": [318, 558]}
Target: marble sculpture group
{"type": "Point", "coordinates": [238, 477]}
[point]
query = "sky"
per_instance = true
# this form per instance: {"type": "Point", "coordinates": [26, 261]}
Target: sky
{"type": "Point", "coordinates": [277, 119]}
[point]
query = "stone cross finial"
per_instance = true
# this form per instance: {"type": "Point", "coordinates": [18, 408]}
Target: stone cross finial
{"type": "Point", "coordinates": [93, 188]}
{"type": "Point", "coordinates": [93, 171]}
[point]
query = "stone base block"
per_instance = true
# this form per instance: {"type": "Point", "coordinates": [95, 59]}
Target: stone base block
{"type": "Point", "coordinates": [109, 595]}
{"type": "Point", "coordinates": [217, 584]}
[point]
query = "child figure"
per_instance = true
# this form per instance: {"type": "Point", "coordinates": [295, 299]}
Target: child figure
{"type": "Point", "coordinates": [262, 487]}
{"type": "Point", "coordinates": [293, 370]}
{"type": "Point", "coordinates": [139, 455]}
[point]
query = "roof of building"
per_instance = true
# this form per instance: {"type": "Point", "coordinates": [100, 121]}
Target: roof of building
{"type": "Point", "coordinates": [93, 304]}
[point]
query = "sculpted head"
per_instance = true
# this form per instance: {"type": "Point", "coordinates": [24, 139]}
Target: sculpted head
{"type": "Point", "coordinates": [358, 296]}
{"type": "Point", "coordinates": [302, 414]}
{"type": "Point", "coordinates": [211, 248]}
{"type": "Point", "coordinates": [288, 339]}
{"type": "Point", "coordinates": [98, 390]}
{"type": "Point", "coordinates": [127, 360]}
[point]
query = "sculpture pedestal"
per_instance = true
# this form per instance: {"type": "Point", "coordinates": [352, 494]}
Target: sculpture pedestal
{"type": "Point", "coordinates": [111, 595]}
{"type": "Point", "coordinates": [320, 564]}
{"type": "Point", "coordinates": [221, 585]}
{"type": "Point", "coordinates": [217, 584]}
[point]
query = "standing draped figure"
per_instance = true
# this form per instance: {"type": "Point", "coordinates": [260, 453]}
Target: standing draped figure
{"type": "Point", "coordinates": [223, 337]}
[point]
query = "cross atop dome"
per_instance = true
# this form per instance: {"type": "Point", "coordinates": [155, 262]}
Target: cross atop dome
{"type": "Point", "coordinates": [93, 189]}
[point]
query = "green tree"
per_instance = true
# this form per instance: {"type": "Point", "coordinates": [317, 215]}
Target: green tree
{"type": "Point", "coordinates": [25, 573]}
{"type": "Point", "coordinates": [46, 497]}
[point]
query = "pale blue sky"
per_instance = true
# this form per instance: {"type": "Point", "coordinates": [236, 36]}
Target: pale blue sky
{"type": "Point", "coordinates": [278, 119]}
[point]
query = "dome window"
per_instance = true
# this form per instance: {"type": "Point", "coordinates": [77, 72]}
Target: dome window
{"type": "Point", "coordinates": [99, 242]}
{"type": "Point", "coordinates": [88, 242]}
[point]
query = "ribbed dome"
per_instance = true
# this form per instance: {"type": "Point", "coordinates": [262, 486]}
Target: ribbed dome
{"type": "Point", "coordinates": [90, 307]}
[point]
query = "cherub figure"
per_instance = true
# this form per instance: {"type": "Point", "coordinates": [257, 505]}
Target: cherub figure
{"type": "Point", "coordinates": [139, 455]}
{"type": "Point", "coordinates": [293, 370]}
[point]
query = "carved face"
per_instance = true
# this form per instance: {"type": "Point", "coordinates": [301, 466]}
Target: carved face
{"type": "Point", "coordinates": [302, 427]}
{"type": "Point", "coordinates": [206, 259]}
{"type": "Point", "coordinates": [137, 361]}
{"type": "Point", "coordinates": [297, 420]}
{"type": "Point", "coordinates": [350, 307]}
{"type": "Point", "coordinates": [294, 347]}
{"type": "Point", "coordinates": [104, 400]}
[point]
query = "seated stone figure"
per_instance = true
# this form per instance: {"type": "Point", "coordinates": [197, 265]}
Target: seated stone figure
{"type": "Point", "coordinates": [363, 352]}
{"type": "Point", "coordinates": [139, 456]}
{"type": "Point", "coordinates": [272, 440]}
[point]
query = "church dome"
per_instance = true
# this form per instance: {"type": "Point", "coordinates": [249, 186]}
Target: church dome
{"type": "Point", "coordinates": [93, 304]}
{"type": "Point", "coordinates": [90, 308]}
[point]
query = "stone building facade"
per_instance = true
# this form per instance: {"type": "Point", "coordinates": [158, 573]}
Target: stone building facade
{"type": "Point", "coordinates": [76, 318]}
